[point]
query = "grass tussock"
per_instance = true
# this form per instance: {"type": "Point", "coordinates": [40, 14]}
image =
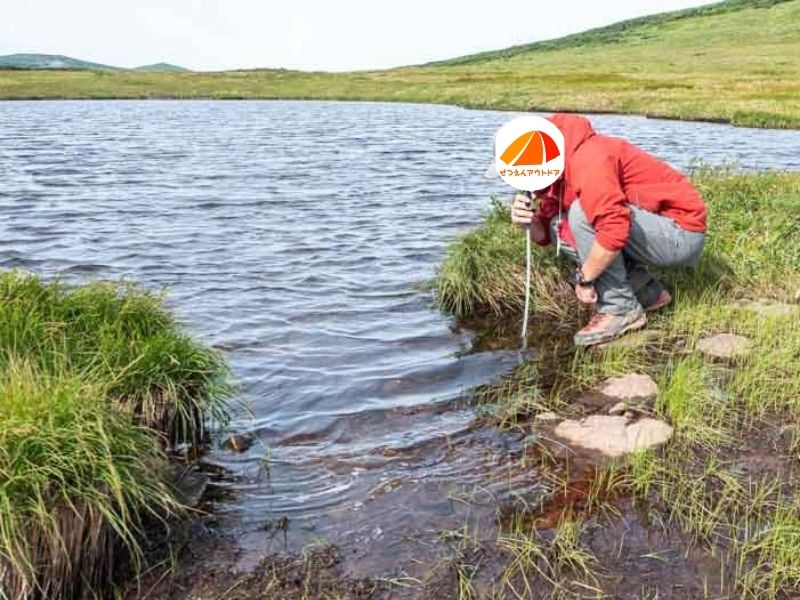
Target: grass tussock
{"type": "Point", "coordinates": [727, 480]}
{"type": "Point", "coordinates": [95, 382]}
{"type": "Point", "coordinates": [123, 336]}
{"type": "Point", "coordinates": [483, 273]}
{"type": "Point", "coordinates": [76, 478]}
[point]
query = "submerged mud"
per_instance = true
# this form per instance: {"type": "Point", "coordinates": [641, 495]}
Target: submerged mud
{"type": "Point", "coordinates": [453, 521]}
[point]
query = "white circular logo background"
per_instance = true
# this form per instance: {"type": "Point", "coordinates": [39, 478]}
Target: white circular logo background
{"type": "Point", "coordinates": [529, 153]}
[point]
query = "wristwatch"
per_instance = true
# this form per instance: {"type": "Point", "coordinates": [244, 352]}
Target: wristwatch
{"type": "Point", "coordinates": [582, 281]}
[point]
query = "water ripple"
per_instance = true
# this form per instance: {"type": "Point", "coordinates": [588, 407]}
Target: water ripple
{"type": "Point", "coordinates": [294, 235]}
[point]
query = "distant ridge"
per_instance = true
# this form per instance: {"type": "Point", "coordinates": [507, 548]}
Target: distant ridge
{"type": "Point", "coordinates": [162, 68]}
{"type": "Point", "coordinates": [50, 61]}
{"type": "Point", "coordinates": [58, 61]}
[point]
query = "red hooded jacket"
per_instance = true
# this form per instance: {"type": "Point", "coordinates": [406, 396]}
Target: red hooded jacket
{"type": "Point", "coordinates": [608, 175]}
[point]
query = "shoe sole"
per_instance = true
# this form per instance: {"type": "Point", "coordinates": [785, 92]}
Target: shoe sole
{"type": "Point", "coordinates": [637, 324]}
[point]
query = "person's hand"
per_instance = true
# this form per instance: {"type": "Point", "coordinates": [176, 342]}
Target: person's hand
{"type": "Point", "coordinates": [587, 295]}
{"type": "Point", "coordinates": [522, 211]}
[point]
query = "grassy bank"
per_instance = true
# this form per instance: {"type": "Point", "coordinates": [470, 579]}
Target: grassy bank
{"type": "Point", "coordinates": [734, 62]}
{"type": "Point", "coordinates": [95, 383]}
{"type": "Point", "coordinates": [726, 482]}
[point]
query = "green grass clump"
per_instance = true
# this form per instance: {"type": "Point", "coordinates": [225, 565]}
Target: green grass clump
{"type": "Point", "coordinates": [754, 222]}
{"type": "Point", "coordinates": [76, 477]}
{"type": "Point", "coordinates": [483, 273]}
{"type": "Point", "coordinates": [95, 381]}
{"type": "Point", "coordinates": [124, 337]}
{"type": "Point", "coordinates": [753, 245]}
{"type": "Point", "coordinates": [536, 561]}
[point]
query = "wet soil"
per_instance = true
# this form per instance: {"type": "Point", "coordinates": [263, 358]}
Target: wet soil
{"type": "Point", "coordinates": [435, 532]}
{"type": "Point", "coordinates": [635, 560]}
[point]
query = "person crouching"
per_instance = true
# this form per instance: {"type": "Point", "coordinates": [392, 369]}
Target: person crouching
{"type": "Point", "coordinates": [615, 210]}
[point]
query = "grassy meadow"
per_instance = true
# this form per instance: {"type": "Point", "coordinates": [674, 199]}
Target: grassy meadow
{"type": "Point", "coordinates": [96, 382]}
{"type": "Point", "coordinates": [725, 482]}
{"type": "Point", "coordinates": [735, 62]}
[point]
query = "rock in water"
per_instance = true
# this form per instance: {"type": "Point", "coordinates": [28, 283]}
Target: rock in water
{"type": "Point", "coordinates": [613, 436]}
{"type": "Point", "coordinates": [238, 442]}
{"type": "Point", "coordinates": [724, 346]}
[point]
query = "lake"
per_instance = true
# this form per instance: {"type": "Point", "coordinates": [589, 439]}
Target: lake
{"type": "Point", "coordinates": [297, 238]}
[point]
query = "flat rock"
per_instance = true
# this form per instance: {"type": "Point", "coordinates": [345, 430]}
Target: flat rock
{"type": "Point", "coordinates": [630, 388]}
{"type": "Point", "coordinates": [613, 436]}
{"type": "Point", "coordinates": [768, 308]}
{"type": "Point", "coordinates": [724, 346]}
{"type": "Point", "coordinates": [620, 394]}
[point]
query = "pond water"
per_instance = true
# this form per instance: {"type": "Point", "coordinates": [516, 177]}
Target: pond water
{"type": "Point", "coordinates": [296, 236]}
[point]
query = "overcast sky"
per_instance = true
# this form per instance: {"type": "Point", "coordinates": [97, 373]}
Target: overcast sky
{"type": "Point", "coordinates": [303, 34]}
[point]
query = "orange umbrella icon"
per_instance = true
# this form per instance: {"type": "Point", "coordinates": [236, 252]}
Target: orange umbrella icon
{"type": "Point", "coordinates": [531, 148]}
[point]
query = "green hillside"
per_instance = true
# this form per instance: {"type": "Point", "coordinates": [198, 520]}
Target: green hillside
{"type": "Point", "coordinates": [623, 31]}
{"type": "Point", "coordinates": [737, 61]}
{"type": "Point", "coordinates": [50, 61]}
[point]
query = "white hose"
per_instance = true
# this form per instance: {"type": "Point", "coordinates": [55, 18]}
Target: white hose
{"type": "Point", "coordinates": [527, 288]}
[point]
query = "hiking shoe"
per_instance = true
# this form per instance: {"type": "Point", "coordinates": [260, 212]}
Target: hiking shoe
{"type": "Point", "coordinates": [604, 327]}
{"type": "Point", "coordinates": [663, 300]}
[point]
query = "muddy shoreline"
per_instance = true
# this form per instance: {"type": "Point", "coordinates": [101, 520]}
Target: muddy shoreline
{"type": "Point", "coordinates": [515, 536]}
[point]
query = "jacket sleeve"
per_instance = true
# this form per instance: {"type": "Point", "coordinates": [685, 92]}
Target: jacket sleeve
{"type": "Point", "coordinates": [605, 204]}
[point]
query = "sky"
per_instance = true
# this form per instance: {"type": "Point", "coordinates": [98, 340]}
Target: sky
{"type": "Point", "coordinates": [300, 34]}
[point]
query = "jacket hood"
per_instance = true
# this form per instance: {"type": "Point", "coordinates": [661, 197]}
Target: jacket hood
{"type": "Point", "coordinates": [576, 130]}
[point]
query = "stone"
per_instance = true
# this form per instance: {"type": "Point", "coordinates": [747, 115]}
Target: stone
{"type": "Point", "coordinates": [630, 388]}
{"type": "Point", "coordinates": [238, 442]}
{"type": "Point", "coordinates": [768, 308]}
{"type": "Point", "coordinates": [613, 436]}
{"type": "Point", "coordinates": [724, 346]}
{"type": "Point", "coordinates": [547, 416]}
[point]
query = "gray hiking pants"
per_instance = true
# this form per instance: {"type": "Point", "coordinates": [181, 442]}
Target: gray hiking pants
{"type": "Point", "coordinates": [653, 241]}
